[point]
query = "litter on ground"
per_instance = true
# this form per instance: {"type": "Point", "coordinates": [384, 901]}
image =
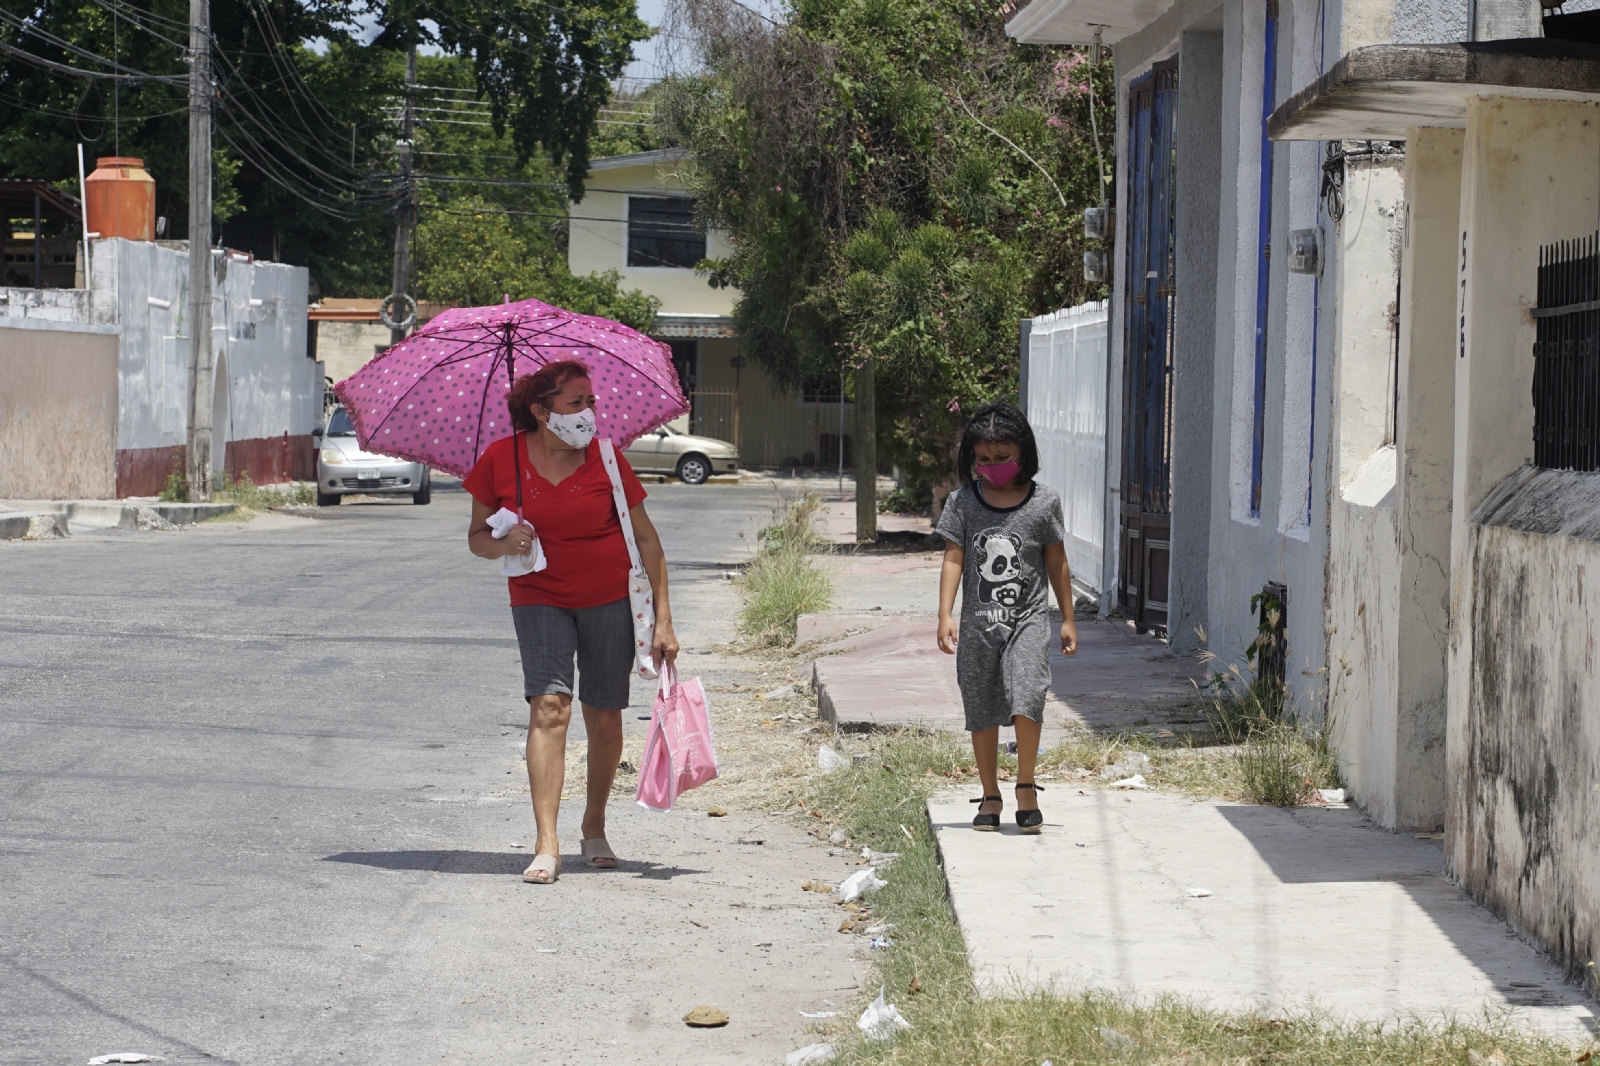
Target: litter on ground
{"type": "Point", "coordinates": [829, 760]}
{"type": "Point", "coordinates": [1199, 893]}
{"type": "Point", "coordinates": [1113, 1038]}
{"type": "Point", "coordinates": [861, 883]}
{"type": "Point", "coordinates": [1136, 781]}
{"type": "Point", "coordinates": [810, 1055]}
{"type": "Point", "coordinates": [881, 1021]}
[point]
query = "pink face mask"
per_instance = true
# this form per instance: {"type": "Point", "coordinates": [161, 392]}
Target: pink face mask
{"type": "Point", "coordinates": [999, 474]}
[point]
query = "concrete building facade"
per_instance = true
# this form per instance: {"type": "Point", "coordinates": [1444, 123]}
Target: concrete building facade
{"type": "Point", "coordinates": [268, 393]}
{"type": "Point", "coordinates": [636, 218]}
{"type": "Point", "coordinates": [1366, 197]}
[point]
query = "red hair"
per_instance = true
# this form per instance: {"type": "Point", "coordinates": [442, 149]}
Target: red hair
{"type": "Point", "coordinates": [541, 387]}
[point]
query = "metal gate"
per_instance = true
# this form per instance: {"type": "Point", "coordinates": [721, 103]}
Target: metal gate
{"type": "Point", "coordinates": [1146, 498]}
{"type": "Point", "coordinates": [715, 413]}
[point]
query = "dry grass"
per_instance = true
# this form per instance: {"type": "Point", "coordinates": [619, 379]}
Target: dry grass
{"type": "Point", "coordinates": [881, 806]}
{"type": "Point", "coordinates": [768, 748]}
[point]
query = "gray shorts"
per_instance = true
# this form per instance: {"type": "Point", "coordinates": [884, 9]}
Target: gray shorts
{"type": "Point", "coordinates": [601, 638]}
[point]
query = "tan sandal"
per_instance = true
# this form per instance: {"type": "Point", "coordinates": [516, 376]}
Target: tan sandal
{"type": "Point", "coordinates": [598, 853]}
{"type": "Point", "coordinates": [543, 870]}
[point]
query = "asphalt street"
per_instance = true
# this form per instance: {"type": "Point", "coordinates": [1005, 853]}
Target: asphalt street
{"type": "Point", "coordinates": [259, 794]}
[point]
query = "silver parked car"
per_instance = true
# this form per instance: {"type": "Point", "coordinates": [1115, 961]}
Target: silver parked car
{"type": "Point", "coordinates": [343, 468]}
{"type": "Point", "coordinates": [691, 458]}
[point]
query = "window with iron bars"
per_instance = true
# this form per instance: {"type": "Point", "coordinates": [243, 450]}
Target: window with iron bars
{"type": "Point", "coordinates": [1566, 379]}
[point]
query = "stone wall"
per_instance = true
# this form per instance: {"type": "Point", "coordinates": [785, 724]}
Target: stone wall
{"type": "Point", "coordinates": [1524, 814]}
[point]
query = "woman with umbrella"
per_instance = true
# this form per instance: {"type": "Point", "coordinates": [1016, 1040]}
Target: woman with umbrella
{"type": "Point", "coordinates": [577, 605]}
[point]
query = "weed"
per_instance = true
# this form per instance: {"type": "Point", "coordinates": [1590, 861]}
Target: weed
{"type": "Point", "coordinates": [176, 490]}
{"type": "Point", "coordinates": [246, 495]}
{"type": "Point", "coordinates": [782, 583]}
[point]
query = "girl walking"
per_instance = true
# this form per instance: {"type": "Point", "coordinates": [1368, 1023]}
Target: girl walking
{"type": "Point", "coordinates": [1003, 541]}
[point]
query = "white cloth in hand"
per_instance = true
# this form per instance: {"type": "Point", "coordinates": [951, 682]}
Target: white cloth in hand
{"type": "Point", "coordinates": [503, 522]}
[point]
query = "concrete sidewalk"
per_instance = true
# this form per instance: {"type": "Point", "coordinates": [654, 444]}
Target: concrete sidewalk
{"type": "Point", "coordinates": [1307, 907]}
{"type": "Point", "coordinates": [881, 671]}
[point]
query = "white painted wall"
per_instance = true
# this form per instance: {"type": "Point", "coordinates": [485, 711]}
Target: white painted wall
{"type": "Point", "coordinates": [259, 335]}
{"type": "Point", "coordinates": [1523, 717]}
{"type": "Point", "coordinates": [1067, 409]}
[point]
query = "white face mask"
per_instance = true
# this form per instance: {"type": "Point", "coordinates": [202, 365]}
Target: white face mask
{"type": "Point", "coordinates": [576, 430]}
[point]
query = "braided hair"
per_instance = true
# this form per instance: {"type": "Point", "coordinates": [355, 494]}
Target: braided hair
{"type": "Point", "coordinates": [998, 423]}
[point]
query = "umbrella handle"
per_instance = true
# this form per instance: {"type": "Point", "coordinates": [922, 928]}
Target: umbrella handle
{"type": "Point", "coordinates": [516, 442]}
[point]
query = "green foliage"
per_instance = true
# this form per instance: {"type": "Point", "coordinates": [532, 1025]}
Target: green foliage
{"type": "Point", "coordinates": [782, 583]}
{"type": "Point", "coordinates": [471, 253]}
{"type": "Point", "coordinates": [854, 156]}
{"type": "Point", "coordinates": [305, 140]}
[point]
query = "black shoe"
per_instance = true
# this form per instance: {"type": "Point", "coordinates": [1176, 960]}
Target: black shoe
{"type": "Point", "coordinates": [987, 823]}
{"type": "Point", "coordinates": [1030, 821]}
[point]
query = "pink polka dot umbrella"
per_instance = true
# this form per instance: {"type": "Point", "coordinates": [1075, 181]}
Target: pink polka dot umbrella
{"type": "Point", "coordinates": [439, 396]}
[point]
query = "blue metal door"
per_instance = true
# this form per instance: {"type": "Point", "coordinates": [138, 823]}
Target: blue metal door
{"type": "Point", "coordinates": [1149, 285]}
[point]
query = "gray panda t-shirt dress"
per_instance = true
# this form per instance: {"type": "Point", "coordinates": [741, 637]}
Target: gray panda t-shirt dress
{"type": "Point", "coordinates": [1002, 654]}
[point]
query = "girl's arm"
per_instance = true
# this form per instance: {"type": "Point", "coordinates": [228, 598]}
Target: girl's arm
{"type": "Point", "coordinates": [1055, 565]}
{"type": "Point", "coordinates": [654, 558]}
{"type": "Point", "coordinates": [480, 538]}
{"type": "Point", "coordinates": [949, 581]}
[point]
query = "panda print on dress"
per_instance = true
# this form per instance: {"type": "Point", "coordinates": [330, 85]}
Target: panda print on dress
{"type": "Point", "coordinates": [999, 562]}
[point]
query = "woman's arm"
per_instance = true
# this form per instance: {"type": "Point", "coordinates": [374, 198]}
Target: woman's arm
{"type": "Point", "coordinates": [655, 564]}
{"type": "Point", "coordinates": [949, 581]}
{"type": "Point", "coordinates": [480, 538]}
{"type": "Point", "coordinates": [1060, 571]}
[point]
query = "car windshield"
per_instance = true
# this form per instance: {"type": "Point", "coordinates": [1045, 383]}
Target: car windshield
{"type": "Point", "coordinates": [340, 425]}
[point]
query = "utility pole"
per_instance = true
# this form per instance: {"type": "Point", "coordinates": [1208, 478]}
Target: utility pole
{"type": "Point", "coordinates": [407, 210]}
{"type": "Point", "coordinates": [866, 456]}
{"type": "Point", "coordinates": [201, 353]}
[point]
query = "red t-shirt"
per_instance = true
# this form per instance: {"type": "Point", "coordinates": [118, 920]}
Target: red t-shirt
{"type": "Point", "coordinates": [576, 522]}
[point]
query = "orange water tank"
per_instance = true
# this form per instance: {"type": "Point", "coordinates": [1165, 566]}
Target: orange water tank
{"type": "Point", "coordinates": [121, 199]}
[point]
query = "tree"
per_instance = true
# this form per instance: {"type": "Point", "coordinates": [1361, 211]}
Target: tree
{"type": "Point", "coordinates": [308, 134]}
{"type": "Point", "coordinates": [900, 184]}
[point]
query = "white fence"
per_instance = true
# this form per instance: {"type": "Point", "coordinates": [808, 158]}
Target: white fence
{"type": "Point", "coordinates": [1067, 409]}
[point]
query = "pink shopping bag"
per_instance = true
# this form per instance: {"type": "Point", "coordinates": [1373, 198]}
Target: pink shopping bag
{"type": "Point", "coordinates": [678, 752]}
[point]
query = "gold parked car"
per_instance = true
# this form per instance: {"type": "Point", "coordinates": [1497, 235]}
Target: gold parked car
{"type": "Point", "coordinates": [691, 458]}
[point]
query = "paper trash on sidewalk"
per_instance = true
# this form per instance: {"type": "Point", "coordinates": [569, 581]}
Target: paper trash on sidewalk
{"type": "Point", "coordinates": [1330, 796]}
{"type": "Point", "coordinates": [124, 1056]}
{"type": "Point", "coordinates": [1199, 893]}
{"type": "Point", "coordinates": [810, 1055]}
{"type": "Point", "coordinates": [861, 883]}
{"type": "Point", "coordinates": [881, 1021]}
{"type": "Point", "coordinates": [829, 760]}
{"type": "Point", "coordinates": [1131, 763]}
{"type": "Point", "coordinates": [1136, 781]}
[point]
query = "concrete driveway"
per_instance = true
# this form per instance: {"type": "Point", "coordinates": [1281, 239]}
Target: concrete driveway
{"type": "Point", "coordinates": [260, 796]}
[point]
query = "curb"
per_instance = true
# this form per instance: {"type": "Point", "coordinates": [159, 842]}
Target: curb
{"type": "Point", "coordinates": [83, 516]}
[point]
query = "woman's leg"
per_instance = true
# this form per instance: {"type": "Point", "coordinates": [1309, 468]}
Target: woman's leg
{"type": "Point", "coordinates": [605, 751]}
{"type": "Point", "coordinates": [1027, 755]}
{"type": "Point", "coordinates": [986, 749]}
{"type": "Point", "coordinates": [547, 765]}
{"type": "Point", "coordinates": [605, 669]}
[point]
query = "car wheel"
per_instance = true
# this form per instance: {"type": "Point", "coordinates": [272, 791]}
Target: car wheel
{"type": "Point", "coordinates": [327, 499]}
{"type": "Point", "coordinates": [694, 469]}
{"type": "Point", "coordinates": [424, 494]}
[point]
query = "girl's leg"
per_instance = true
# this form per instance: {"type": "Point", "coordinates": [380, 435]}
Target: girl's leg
{"type": "Point", "coordinates": [605, 751]}
{"type": "Point", "coordinates": [986, 749]}
{"type": "Point", "coordinates": [547, 765]}
{"type": "Point", "coordinates": [1027, 755]}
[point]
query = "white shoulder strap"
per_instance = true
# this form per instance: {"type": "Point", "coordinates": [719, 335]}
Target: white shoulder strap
{"type": "Point", "coordinates": [608, 457]}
